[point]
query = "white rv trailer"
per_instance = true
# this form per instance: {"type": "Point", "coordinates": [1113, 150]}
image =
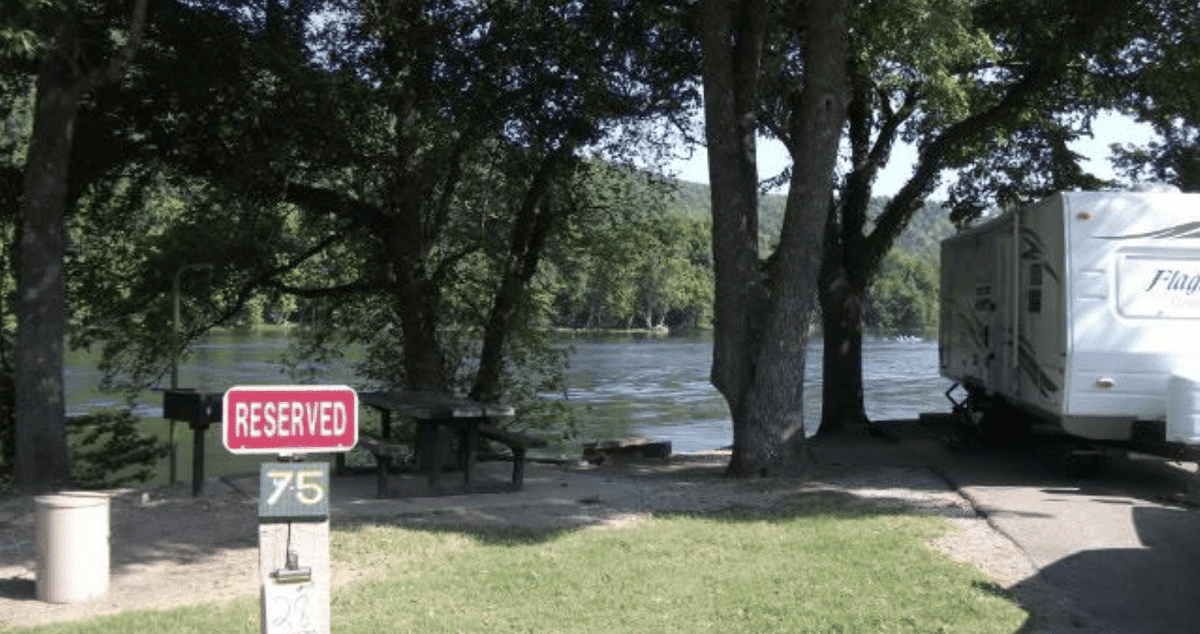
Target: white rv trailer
{"type": "Point", "coordinates": [1083, 310]}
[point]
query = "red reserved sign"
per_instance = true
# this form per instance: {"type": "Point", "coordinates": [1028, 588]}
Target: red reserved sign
{"type": "Point", "coordinates": [290, 419]}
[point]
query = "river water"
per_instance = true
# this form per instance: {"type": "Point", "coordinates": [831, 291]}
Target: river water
{"type": "Point", "coordinates": [619, 386]}
{"type": "Point", "coordinates": [658, 387]}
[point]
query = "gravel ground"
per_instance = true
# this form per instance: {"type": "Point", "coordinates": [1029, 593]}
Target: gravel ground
{"type": "Point", "coordinates": [169, 549]}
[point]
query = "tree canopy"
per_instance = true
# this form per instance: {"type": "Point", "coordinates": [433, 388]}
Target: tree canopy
{"type": "Point", "coordinates": [401, 168]}
{"type": "Point", "coordinates": [1158, 82]}
{"type": "Point", "coordinates": [438, 181]}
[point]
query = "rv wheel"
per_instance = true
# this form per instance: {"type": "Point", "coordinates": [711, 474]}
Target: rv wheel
{"type": "Point", "coordinates": [1083, 460]}
{"type": "Point", "coordinates": [1004, 426]}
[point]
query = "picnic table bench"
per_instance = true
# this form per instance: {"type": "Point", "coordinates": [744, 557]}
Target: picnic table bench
{"type": "Point", "coordinates": [432, 411]}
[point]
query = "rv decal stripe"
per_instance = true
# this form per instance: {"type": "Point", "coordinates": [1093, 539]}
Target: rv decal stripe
{"type": "Point", "coordinates": [1027, 359]}
{"type": "Point", "coordinates": [974, 327]}
{"type": "Point", "coordinates": [1035, 250]}
{"type": "Point", "coordinates": [1034, 240]}
{"type": "Point", "coordinates": [1185, 230]}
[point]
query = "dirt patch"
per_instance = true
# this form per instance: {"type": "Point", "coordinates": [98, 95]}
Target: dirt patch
{"type": "Point", "coordinates": [166, 550]}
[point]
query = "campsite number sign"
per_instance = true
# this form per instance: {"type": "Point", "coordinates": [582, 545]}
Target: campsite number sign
{"type": "Point", "coordinates": [293, 490]}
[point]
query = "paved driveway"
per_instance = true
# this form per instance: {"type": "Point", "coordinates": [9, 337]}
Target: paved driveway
{"type": "Point", "coordinates": [1117, 551]}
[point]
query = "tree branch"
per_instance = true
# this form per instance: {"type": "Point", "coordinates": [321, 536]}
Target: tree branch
{"type": "Point", "coordinates": [265, 280]}
{"type": "Point", "coordinates": [357, 286]}
{"type": "Point", "coordinates": [454, 175]}
{"type": "Point", "coordinates": [891, 127]}
{"type": "Point", "coordinates": [321, 200]}
{"type": "Point", "coordinates": [935, 156]}
{"type": "Point", "coordinates": [137, 25]}
{"type": "Point", "coordinates": [438, 276]}
{"type": "Point", "coordinates": [112, 72]}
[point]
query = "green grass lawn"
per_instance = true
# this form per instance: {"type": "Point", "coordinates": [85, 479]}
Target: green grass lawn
{"type": "Point", "coordinates": [818, 568]}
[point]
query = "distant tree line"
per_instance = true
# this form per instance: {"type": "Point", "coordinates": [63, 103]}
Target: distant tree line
{"type": "Point", "coordinates": [652, 268]}
{"type": "Point", "coordinates": [645, 263]}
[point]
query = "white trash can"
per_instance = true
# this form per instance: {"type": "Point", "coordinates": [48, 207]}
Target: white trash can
{"type": "Point", "coordinates": [72, 546]}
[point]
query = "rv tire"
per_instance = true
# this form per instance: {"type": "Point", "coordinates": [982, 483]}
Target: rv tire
{"type": "Point", "coordinates": [1083, 460]}
{"type": "Point", "coordinates": [1005, 426]}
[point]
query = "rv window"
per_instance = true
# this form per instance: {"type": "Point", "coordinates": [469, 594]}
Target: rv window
{"type": "Point", "coordinates": [1034, 303]}
{"type": "Point", "coordinates": [1035, 297]}
{"type": "Point", "coordinates": [983, 298]}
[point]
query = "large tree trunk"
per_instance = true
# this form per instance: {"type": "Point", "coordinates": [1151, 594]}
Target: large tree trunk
{"type": "Point", "coordinates": [42, 457]}
{"type": "Point", "coordinates": [417, 302]}
{"type": "Point", "coordinates": [410, 234]}
{"type": "Point", "coordinates": [424, 361]}
{"type": "Point", "coordinates": [417, 297]}
{"type": "Point", "coordinates": [842, 406]}
{"type": "Point", "coordinates": [762, 317]}
{"type": "Point", "coordinates": [846, 268]}
{"type": "Point", "coordinates": [730, 101]}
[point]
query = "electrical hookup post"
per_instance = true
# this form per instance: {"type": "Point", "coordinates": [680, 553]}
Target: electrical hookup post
{"type": "Point", "coordinates": [292, 421]}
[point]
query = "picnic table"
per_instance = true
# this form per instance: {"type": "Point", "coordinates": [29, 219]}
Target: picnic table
{"type": "Point", "coordinates": [467, 419]}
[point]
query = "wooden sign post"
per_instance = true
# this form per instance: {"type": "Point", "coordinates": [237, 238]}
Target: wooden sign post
{"type": "Point", "coordinates": [293, 499]}
{"type": "Point", "coordinates": [293, 547]}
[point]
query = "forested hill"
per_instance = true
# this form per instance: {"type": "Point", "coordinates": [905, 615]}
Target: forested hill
{"type": "Point", "coordinates": [928, 227]}
{"type": "Point", "coordinates": [692, 200]}
{"type": "Point", "coordinates": [903, 297]}
{"type": "Point", "coordinates": [649, 264]}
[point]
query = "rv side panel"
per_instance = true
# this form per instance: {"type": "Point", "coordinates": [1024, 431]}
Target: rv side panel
{"type": "Point", "coordinates": [967, 307]}
{"type": "Point", "coordinates": [1134, 303]}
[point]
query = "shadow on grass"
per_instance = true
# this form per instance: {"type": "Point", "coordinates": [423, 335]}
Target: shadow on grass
{"type": "Point", "coordinates": [1145, 589]}
{"type": "Point", "coordinates": [500, 527]}
{"type": "Point", "coordinates": [787, 513]}
{"type": "Point", "coordinates": [994, 589]}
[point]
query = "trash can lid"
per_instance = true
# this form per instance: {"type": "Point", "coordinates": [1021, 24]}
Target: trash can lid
{"type": "Point", "coordinates": [72, 499]}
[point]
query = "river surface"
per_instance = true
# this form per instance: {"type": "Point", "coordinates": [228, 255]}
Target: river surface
{"type": "Point", "coordinates": [658, 387]}
{"type": "Point", "coordinates": [619, 386]}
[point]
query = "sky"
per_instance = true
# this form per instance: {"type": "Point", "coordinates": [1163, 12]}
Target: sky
{"type": "Point", "coordinates": [772, 157]}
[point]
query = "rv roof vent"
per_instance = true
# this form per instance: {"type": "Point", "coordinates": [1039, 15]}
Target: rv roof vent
{"type": "Point", "coordinates": [1155, 188]}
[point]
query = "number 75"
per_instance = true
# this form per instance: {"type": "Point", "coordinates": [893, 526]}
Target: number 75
{"type": "Point", "coordinates": [308, 490]}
